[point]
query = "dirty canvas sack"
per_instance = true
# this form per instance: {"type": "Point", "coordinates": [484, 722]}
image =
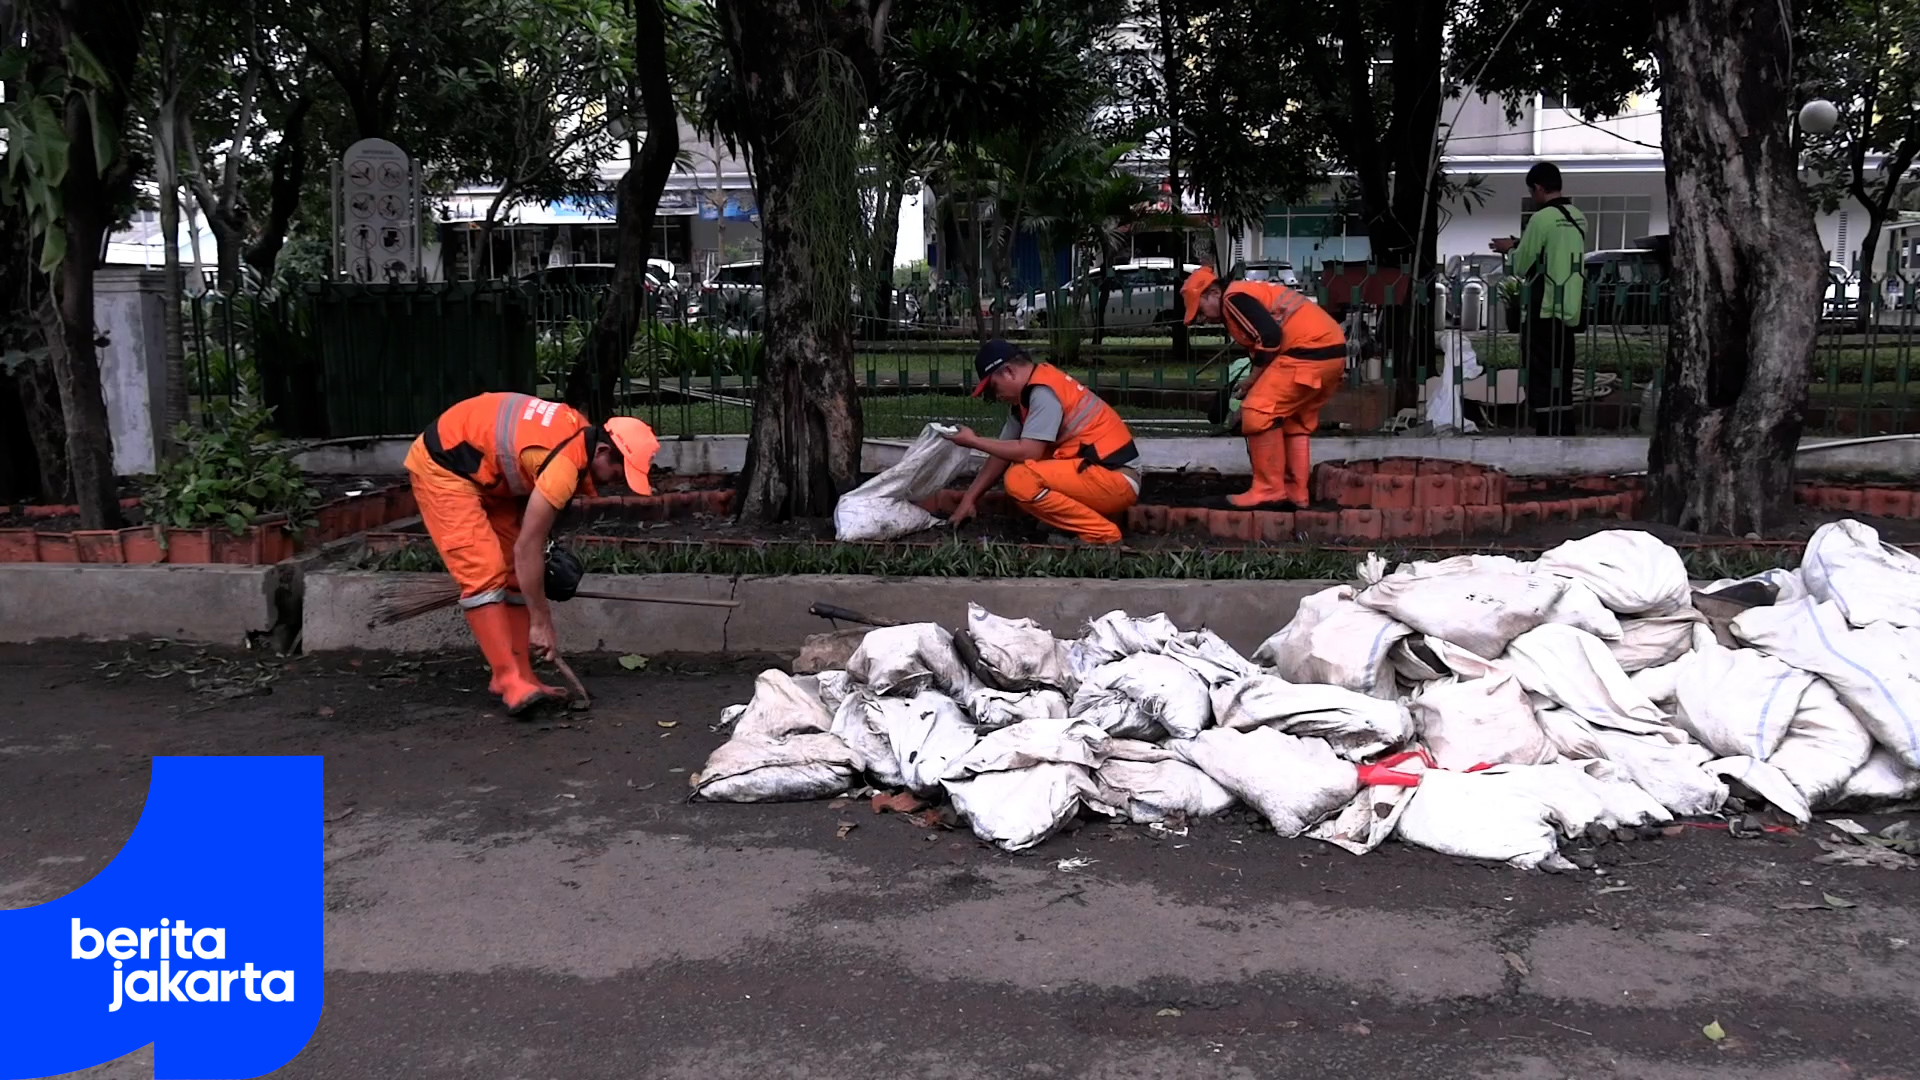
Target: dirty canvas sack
{"type": "Point", "coordinates": [1482, 815]}
{"type": "Point", "coordinates": [1357, 726]}
{"type": "Point", "coordinates": [1869, 581]}
{"type": "Point", "coordinates": [1017, 654]}
{"type": "Point", "coordinates": [1655, 640]}
{"type": "Point", "coordinates": [1057, 740]}
{"type": "Point", "coordinates": [1824, 747]}
{"type": "Point", "coordinates": [1480, 611]}
{"type": "Point", "coordinates": [906, 660]}
{"type": "Point", "coordinates": [1150, 791]}
{"type": "Point", "coordinates": [993, 709]}
{"type": "Point", "coordinates": [1292, 782]}
{"type": "Point", "coordinates": [1670, 772]}
{"type": "Point", "coordinates": [1872, 669]}
{"type": "Point", "coordinates": [1117, 635]}
{"type": "Point", "coordinates": [1661, 684]}
{"type": "Point", "coordinates": [1787, 585]}
{"type": "Point", "coordinates": [1332, 639]}
{"type": "Point", "coordinates": [1737, 701]}
{"type": "Point", "coordinates": [863, 721]}
{"type": "Point", "coordinates": [755, 768]}
{"type": "Point", "coordinates": [1016, 810]}
{"type": "Point", "coordinates": [926, 737]}
{"type": "Point", "coordinates": [830, 687]}
{"type": "Point", "coordinates": [1144, 696]}
{"type": "Point", "coordinates": [781, 706]}
{"type": "Point", "coordinates": [1468, 722]}
{"type": "Point", "coordinates": [1580, 608]}
{"type": "Point", "coordinates": [1633, 572]}
{"type": "Point", "coordinates": [1883, 779]}
{"type": "Point", "coordinates": [1573, 668]}
{"type": "Point", "coordinates": [1765, 781]}
{"type": "Point", "coordinates": [1206, 655]}
{"type": "Point", "coordinates": [1571, 737]}
{"type": "Point", "coordinates": [1370, 817]}
{"type": "Point", "coordinates": [883, 507]}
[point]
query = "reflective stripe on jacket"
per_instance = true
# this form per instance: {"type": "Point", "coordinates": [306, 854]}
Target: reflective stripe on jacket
{"type": "Point", "coordinates": [484, 437]}
{"type": "Point", "coordinates": [1271, 320]}
{"type": "Point", "coordinates": [1089, 428]}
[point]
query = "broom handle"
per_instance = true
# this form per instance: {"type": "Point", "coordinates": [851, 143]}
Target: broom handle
{"type": "Point", "coordinates": [686, 601]}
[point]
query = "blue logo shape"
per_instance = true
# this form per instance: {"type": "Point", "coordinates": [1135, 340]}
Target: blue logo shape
{"type": "Point", "coordinates": [203, 936]}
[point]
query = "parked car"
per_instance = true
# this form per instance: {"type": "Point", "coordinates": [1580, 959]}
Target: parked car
{"type": "Point", "coordinates": [1140, 293]}
{"type": "Point", "coordinates": [733, 296]}
{"type": "Point", "coordinates": [1271, 270]}
{"type": "Point", "coordinates": [663, 293]}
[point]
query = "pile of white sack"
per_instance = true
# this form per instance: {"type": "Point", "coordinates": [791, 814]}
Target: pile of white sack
{"type": "Point", "coordinates": [1480, 706]}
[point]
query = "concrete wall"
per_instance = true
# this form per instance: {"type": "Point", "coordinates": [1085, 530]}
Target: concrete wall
{"type": "Point", "coordinates": [128, 309]}
{"type": "Point", "coordinates": [217, 604]}
{"type": "Point", "coordinates": [1518, 455]}
{"type": "Point", "coordinates": [772, 616]}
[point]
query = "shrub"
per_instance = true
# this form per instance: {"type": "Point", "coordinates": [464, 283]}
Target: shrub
{"type": "Point", "coordinates": [230, 473]}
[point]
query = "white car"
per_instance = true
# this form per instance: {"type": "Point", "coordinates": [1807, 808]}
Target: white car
{"type": "Point", "coordinates": [1141, 293]}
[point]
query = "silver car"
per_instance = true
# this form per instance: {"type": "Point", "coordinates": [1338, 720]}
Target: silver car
{"type": "Point", "coordinates": [1141, 293]}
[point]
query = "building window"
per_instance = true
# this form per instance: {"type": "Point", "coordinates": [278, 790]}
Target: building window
{"type": "Point", "coordinates": [1613, 221]}
{"type": "Point", "coordinates": [1313, 235]}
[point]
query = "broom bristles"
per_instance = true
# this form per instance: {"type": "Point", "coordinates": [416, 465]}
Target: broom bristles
{"type": "Point", "coordinates": [403, 600]}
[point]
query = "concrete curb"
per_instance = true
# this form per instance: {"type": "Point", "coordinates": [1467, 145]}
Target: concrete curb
{"type": "Point", "coordinates": [213, 603]}
{"type": "Point", "coordinates": [772, 617]}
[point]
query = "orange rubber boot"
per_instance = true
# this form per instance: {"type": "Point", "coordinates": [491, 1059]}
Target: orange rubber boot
{"type": "Point", "coordinates": [492, 627]}
{"type": "Point", "coordinates": [1299, 470]}
{"type": "Point", "coordinates": [522, 620]}
{"type": "Point", "coordinates": [1267, 452]}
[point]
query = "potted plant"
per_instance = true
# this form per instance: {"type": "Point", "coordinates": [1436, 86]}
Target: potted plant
{"type": "Point", "coordinates": [229, 484]}
{"type": "Point", "coordinates": [1509, 293]}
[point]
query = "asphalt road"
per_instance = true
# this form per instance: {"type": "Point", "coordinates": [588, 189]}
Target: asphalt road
{"type": "Point", "coordinates": [509, 900]}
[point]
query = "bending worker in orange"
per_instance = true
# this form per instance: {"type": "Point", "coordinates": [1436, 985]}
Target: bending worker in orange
{"type": "Point", "coordinates": [491, 476]}
{"type": "Point", "coordinates": [1299, 355]}
{"type": "Point", "coordinates": [1066, 455]}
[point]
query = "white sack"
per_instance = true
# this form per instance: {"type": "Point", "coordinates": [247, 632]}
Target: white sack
{"type": "Point", "coordinates": [1574, 669]}
{"type": "Point", "coordinates": [1824, 747]}
{"type": "Point", "coordinates": [1018, 654]}
{"type": "Point", "coordinates": [926, 737]}
{"type": "Point", "coordinates": [906, 660]}
{"type": "Point", "coordinates": [1580, 608]}
{"type": "Point", "coordinates": [1370, 817]}
{"type": "Point", "coordinates": [1150, 791]}
{"type": "Point", "coordinates": [1765, 781]}
{"type": "Point", "coordinates": [1569, 735]}
{"type": "Point", "coordinates": [1884, 778]}
{"type": "Point", "coordinates": [1292, 782]}
{"type": "Point", "coordinates": [780, 707]}
{"type": "Point", "coordinates": [993, 709]}
{"type": "Point", "coordinates": [1459, 564]}
{"type": "Point", "coordinates": [1633, 572]}
{"type": "Point", "coordinates": [864, 722]}
{"type": "Point", "coordinates": [1655, 640]}
{"type": "Point", "coordinates": [1661, 684]}
{"type": "Point", "coordinates": [1481, 816]}
{"type": "Point", "coordinates": [1671, 773]}
{"type": "Point", "coordinates": [1333, 640]}
{"type": "Point", "coordinates": [1139, 750]}
{"type": "Point", "coordinates": [1055, 740]}
{"type": "Point", "coordinates": [758, 768]}
{"type": "Point", "coordinates": [1414, 663]}
{"type": "Point", "coordinates": [1143, 696]}
{"type": "Point", "coordinates": [1869, 581]}
{"type": "Point", "coordinates": [1212, 659]}
{"type": "Point", "coordinates": [1357, 726]}
{"type": "Point", "coordinates": [1117, 635]}
{"type": "Point", "coordinates": [1481, 611]}
{"type": "Point", "coordinates": [1786, 584]}
{"type": "Point", "coordinates": [1873, 670]}
{"type": "Point", "coordinates": [1018, 809]}
{"type": "Point", "coordinates": [883, 507]}
{"type": "Point", "coordinates": [1737, 701]}
{"type": "Point", "coordinates": [1468, 722]}
{"type": "Point", "coordinates": [1622, 802]}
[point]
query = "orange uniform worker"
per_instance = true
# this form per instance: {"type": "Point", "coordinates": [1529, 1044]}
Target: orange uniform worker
{"type": "Point", "coordinates": [1299, 356]}
{"type": "Point", "coordinates": [1066, 454]}
{"type": "Point", "coordinates": [474, 470]}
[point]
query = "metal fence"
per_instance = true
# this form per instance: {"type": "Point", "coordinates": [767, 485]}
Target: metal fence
{"type": "Point", "coordinates": [690, 375]}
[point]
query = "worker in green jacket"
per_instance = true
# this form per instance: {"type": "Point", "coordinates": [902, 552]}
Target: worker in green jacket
{"type": "Point", "coordinates": [1550, 259]}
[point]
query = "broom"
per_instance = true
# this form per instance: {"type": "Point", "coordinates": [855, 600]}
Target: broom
{"type": "Point", "coordinates": [403, 600]}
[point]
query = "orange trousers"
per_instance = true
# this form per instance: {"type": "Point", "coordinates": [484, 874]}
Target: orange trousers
{"type": "Point", "coordinates": [475, 534]}
{"type": "Point", "coordinates": [1083, 503]}
{"type": "Point", "coordinates": [1290, 393]}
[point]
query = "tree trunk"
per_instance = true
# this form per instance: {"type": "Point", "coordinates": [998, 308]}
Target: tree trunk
{"type": "Point", "coordinates": [289, 175]}
{"type": "Point", "coordinates": [593, 383]}
{"type": "Point", "coordinates": [804, 451]}
{"type": "Point", "coordinates": [166, 157]}
{"type": "Point", "coordinates": [1746, 267]}
{"type": "Point", "coordinates": [886, 237]}
{"type": "Point", "coordinates": [1170, 85]}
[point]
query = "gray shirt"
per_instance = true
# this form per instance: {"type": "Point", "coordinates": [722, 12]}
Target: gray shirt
{"type": "Point", "coordinates": [1044, 417]}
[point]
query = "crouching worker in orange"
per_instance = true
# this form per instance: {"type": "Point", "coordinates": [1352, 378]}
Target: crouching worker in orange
{"type": "Point", "coordinates": [1066, 455]}
{"type": "Point", "coordinates": [1299, 355]}
{"type": "Point", "coordinates": [491, 476]}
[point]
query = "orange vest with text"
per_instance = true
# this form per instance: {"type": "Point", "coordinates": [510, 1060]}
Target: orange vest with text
{"type": "Point", "coordinates": [484, 438]}
{"type": "Point", "coordinates": [1307, 332]}
{"type": "Point", "coordinates": [1089, 428]}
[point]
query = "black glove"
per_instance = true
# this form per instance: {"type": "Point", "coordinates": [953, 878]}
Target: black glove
{"type": "Point", "coordinates": [564, 571]}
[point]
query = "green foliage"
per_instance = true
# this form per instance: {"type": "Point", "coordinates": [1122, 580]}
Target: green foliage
{"type": "Point", "coordinates": [230, 473]}
{"type": "Point", "coordinates": [38, 149]}
{"type": "Point", "coordinates": [677, 349]}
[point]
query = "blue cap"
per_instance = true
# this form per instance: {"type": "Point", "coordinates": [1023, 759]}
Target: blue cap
{"type": "Point", "coordinates": [994, 354]}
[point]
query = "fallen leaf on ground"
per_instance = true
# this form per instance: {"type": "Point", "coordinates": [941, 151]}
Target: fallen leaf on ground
{"type": "Point", "coordinates": [341, 816]}
{"type": "Point", "coordinates": [1836, 902]}
{"type": "Point", "coordinates": [1517, 964]}
{"type": "Point", "coordinates": [1169, 1012]}
{"type": "Point", "coordinates": [1356, 1029]}
{"type": "Point", "coordinates": [900, 802]}
{"type": "Point", "coordinates": [1868, 855]}
{"type": "Point", "coordinates": [845, 828]}
{"type": "Point", "coordinates": [668, 723]}
{"type": "Point", "coordinates": [1068, 866]}
{"type": "Point", "coordinates": [633, 661]}
{"type": "Point", "coordinates": [326, 710]}
{"type": "Point", "coordinates": [1714, 1031]}
{"type": "Point", "coordinates": [1614, 889]}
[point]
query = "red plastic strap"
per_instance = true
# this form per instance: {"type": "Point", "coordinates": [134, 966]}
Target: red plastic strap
{"type": "Point", "coordinates": [1482, 766]}
{"type": "Point", "coordinates": [1380, 775]}
{"type": "Point", "coordinates": [1420, 753]}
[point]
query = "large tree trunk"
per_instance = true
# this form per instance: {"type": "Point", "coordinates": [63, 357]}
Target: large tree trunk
{"type": "Point", "coordinates": [805, 447]}
{"type": "Point", "coordinates": [289, 174]}
{"type": "Point", "coordinates": [1171, 26]}
{"type": "Point", "coordinates": [886, 237]}
{"type": "Point", "coordinates": [173, 291]}
{"type": "Point", "coordinates": [1747, 271]}
{"type": "Point", "coordinates": [593, 384]}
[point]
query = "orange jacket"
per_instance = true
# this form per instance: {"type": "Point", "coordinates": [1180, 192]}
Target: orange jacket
{"type": "Point", "coordinates": [1270, 320]}
{"type": "Point", "coordinates": [1089, 428]}
{"type": "Point", "coordinates": [484, 438]}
